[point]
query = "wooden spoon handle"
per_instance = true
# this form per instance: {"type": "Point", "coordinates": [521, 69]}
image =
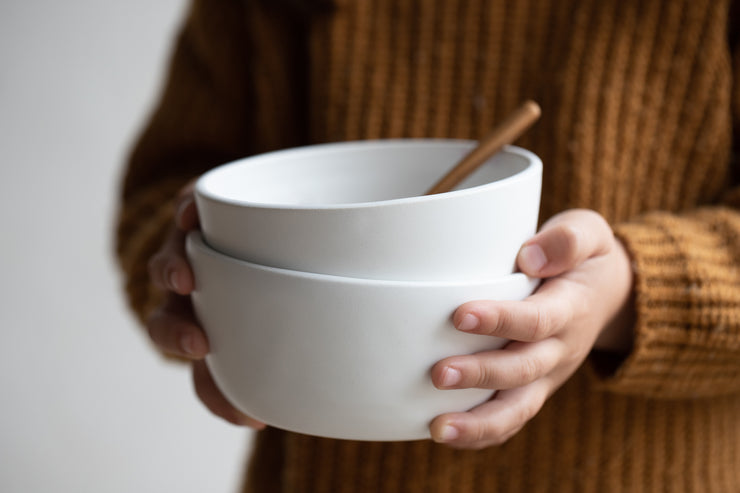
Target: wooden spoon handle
{"type": "Point", "coordinates": [505, 133]}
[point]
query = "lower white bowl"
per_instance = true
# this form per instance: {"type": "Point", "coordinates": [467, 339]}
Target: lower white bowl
{"type": "Point", "coordinates": [334, 356]}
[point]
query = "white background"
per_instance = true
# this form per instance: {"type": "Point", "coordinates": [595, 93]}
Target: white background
{"type": "Point", "coordinates": [86, 405]}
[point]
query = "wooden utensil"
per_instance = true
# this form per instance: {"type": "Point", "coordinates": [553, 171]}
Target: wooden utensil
{"type": "Point", "coordinates": [505, 133]}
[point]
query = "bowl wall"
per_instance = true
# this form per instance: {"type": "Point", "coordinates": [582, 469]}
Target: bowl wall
{"type": "Point", "coordinates": [355, 209]}
{"type": "Point", "coordinates": [336, 357]}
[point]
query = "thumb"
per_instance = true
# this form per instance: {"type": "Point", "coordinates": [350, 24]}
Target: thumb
{"type": "Point", "coordinates": [565, 241]}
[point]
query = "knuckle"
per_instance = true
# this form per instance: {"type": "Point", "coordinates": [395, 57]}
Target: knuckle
{"type": "Point", "coordinates": [573, 358]}
{"type": "Point", "coordinates": [485, 375]}
{"type": "Point", "coordinates": [489, 322]}
{"type": "Point", "coordinates": [481, 433]}
{"type": "Point", "coordinates": [529, 409]}
{"type": "Point", "coordinates": [530, 369]}
{"type": "Point", "coordinates": [597, 219]}
{"type": "Point", "coordinates": [497, 322]}
{"type": "Point", "coordinates": [569, 239]}
{"type": "Point", "coordinates": [492, 434]}
{"type": "Point", "coordinates": [502, 320]}
{"type": "Point", "coordinates": [541, 325]}
{"type": "Point", "coordinates": [525, 413]}
{"type": "Point", "coordinates": [166, 330]}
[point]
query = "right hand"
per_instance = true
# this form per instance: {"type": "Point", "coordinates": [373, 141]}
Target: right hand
{"type": "Point", "coordinates": [173, 326]}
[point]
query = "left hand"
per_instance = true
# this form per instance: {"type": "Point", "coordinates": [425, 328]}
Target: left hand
{"type": "Point", "coordinates": [583, 302]}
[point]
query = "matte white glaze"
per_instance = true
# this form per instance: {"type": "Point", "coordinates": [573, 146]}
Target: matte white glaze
{"type": "Point", "coordinates": [355, 209]}
{"type": "Point", "coordinates": [334, 356]}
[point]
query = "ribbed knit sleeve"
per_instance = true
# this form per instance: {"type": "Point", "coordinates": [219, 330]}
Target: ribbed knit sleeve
{"type": "Point", "coordinates": [227, 53]}
{"type": "Point", "coordinates": [687, 303]}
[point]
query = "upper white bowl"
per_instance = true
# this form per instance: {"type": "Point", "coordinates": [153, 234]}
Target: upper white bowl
{"type": "Point", "coordinates": [335, 356]}
{"type": "Point", "coordinates": [356, 209]}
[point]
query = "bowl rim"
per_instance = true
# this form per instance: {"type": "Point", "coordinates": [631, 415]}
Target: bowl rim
{"type": "Point", "coordinates": [202, 190]}
{"type": "Point", "coordinates": [195, 240]}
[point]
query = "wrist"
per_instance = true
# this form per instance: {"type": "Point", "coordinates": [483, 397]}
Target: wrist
{"type": "Point", "coordinates": [618, 333]}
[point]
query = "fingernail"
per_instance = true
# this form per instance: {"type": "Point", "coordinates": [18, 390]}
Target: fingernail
{"type": "Point", "coordinates": [451, 376]}
{"type": "Point", "coordinates": [187, 344]}
{"type": "Point", "coordinates": [174, 280]}
{"type": "Point", "coordinates": [448, 433]}
{"type": "Point", "coordinates": [468, 323]}
{"type": "Point", "coordinates": [532, 258]}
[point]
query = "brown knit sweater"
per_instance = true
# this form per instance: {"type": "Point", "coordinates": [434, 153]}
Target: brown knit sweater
{"type": "Point", "coordinates": [637, 99]}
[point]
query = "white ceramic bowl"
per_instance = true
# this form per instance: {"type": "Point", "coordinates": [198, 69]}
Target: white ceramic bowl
{"type": "Point", "coordinates": [334, 356]}
{"type": "Point", "coordinates": [354, 209]}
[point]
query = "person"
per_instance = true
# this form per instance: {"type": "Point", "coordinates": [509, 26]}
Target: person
{"type": "Point", "coordinates": [623, 370]}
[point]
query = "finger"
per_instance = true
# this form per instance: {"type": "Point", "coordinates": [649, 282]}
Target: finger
{"type": "Point", "coordinates": [174, 329]}
{"type": "Point", "coordinates": [186, 213]}
{"type": "Point", "coordinates": [169, 268]}
{"type": "Point", "coordinates": [536, 318]}
{"type": "Point", "coordinates": [517, 365]}
{"type": "Point", "coordinates": [214, 400]}
{"type": "Point", "coordinates": [493, 422]}
{"type": "Point", "coordinates": [564, 242]}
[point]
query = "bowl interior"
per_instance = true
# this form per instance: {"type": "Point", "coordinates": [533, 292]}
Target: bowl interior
{"type": "Point", "coordinates": [352, 173]}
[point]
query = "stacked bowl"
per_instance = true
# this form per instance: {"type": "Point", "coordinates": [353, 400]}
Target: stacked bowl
{"type": "Point", "coordinates": [326, 280]}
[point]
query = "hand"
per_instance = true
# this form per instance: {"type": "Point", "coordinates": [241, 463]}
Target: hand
{"type": "Point", "coordinates": [583, 302]}
{"type": "Point", "coordinates": [173, 326]}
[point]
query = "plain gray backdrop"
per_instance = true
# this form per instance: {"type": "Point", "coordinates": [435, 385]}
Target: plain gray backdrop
{"type": "Point", "coordinates": [86, 405]}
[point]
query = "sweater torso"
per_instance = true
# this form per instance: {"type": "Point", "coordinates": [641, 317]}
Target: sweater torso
{"type": "Point", "coordinates": [636, 100]}
{"type": "Point", "coordinates": [637, 103]}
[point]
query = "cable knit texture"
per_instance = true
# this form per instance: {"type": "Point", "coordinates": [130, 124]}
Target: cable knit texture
{"type": "Point", "coordinates": [637, 99]}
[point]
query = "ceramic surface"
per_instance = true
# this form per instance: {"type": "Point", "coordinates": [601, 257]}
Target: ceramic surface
{"type": "Point", "coordinates": [354, 209]}
{"type": "Point", "coordinates": [333, 356]}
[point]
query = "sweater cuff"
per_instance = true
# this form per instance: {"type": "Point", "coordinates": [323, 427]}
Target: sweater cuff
{"type": "Point", "coordinates": [678, 350]}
